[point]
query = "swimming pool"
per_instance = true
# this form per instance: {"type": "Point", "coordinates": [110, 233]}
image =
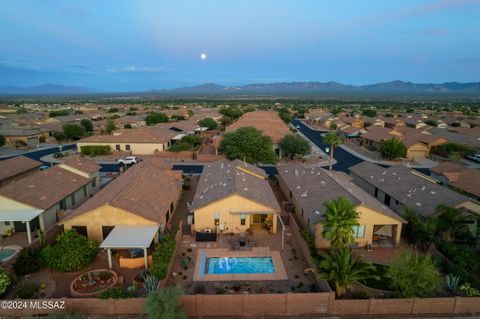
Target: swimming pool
{"type": "Point", "coordinates": [6, 253]}
{"type": "Point", "coordinates": [239, 265]}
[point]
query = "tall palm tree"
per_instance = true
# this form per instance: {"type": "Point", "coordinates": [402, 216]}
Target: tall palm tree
{"type": "Point", "coordinates": [342, 271]}
{"type": "Point", "coordinates": [450, 223]}
{"type": "Point", "coordinates": [340, 219]}
{"type": "Point", "coordinates": [333, 140]}
{"type": "Point", "coordinates": [418, 228]}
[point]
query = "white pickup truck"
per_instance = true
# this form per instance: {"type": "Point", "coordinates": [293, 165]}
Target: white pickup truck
{"type": "Point", "coordinates": [475, 157]}
{"type": "Point", "coordinates": [129, 160]}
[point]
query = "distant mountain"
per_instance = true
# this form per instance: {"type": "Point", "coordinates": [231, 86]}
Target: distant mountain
{"type": "Point", "coordinates": [328, 87]}
{"type": "Point", "coordinates": [45, 89]}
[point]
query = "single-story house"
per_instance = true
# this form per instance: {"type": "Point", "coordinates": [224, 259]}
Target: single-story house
{"type": "Point", "coordinates": [145, 195]}
{"type": "Point", "coordinates": [310, 187]}
{"type": "Point", "coordinates": [16, 168]}
{"type": "Point", "coordinates": [29, 136]}
{"type": "Point", "coordinates": [398, 187]}
{"type": "Point", "coordinates": [459, 177]}
{"type": "Point", "coordinates": [232, 197]}
{"type": "Point", "coordinates": [34, 202]}
{"type": "Point", "coordinates": [376, 135]}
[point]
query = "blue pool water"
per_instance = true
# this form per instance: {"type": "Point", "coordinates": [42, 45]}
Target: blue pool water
{"type": "Point", "coordinates": [6, 253]}
{"type": "Point", "coordinates": [240, 265]}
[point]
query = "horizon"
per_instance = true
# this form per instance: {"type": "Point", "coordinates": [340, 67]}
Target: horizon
{"type": "Point", "coordinates": [117, 47]}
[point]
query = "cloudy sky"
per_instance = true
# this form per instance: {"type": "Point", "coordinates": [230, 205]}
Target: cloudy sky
{"type": "Point", "coordinates": [120, 45]}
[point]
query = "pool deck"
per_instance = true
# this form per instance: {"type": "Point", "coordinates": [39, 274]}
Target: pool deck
{"type": "Point", "coordinates": [279, 274]}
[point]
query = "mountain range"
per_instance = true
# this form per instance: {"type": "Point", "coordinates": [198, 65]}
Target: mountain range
{"type": "Point", "coordinates": [288, 88]}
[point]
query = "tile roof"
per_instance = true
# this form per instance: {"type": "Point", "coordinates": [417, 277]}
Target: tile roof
{"type": "Point", "coordinates": [83, 164]}
{"type": "Point", "coordinates": [467, 179]}
{"type": "Point", "coordinates": [409, 187]}
{"type": "Point", "coordinates": [16, 165]}
{"type": "Point", "coordinates": [457, 138]}
{"type": "Point", "coordinates": [269, 122]}
{"type": "Point", "coordinates": [378, 134]}
{"type": "Point", "coordinates": [44, 189]}
{"type": "Point", "coordinates": [224, 178]}
{"type": "Point", "coordinates": [146, 189]}
{"type": "Point", "coordinates": [313, 186]}
{"type": "Point", "coordinates": [140, 135]}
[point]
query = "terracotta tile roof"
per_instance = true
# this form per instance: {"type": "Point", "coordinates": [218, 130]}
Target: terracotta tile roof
{"type": "Point", "coordinates": [412, 138]}
{"type": "Point", "coordinates": [146, 189]}
{"type": "Point", "coordinates": [269, 122]}
{"type": "Point", "coordinates": [467, 179]}
{"type": "Point", "coordinates": [350, 130]}
{"type": "Point", "coordinates": [140, 135]}
{"type": "Point", "coordinates": [16, 165]}
{"type": "Point", "coordinates": [408, 186]}
{"type": "Point", "coordinates": [83, 164]}
{"type": "Point", "coordinates": [44, 188]}
{"type": "Point", "coordinates": [378, 134]}
{"type": "Point", "coordinates": [224, 178]}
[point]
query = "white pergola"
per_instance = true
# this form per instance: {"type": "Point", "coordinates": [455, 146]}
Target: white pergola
{"type": "Point", "coordinates": [25, 216]}
{"type": "Point", "coordinates": [129, 237]}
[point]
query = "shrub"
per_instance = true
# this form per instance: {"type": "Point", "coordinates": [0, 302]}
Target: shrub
{"type": "Point", "coordinates": [28, 262]}
{"type": "Point", "coordinates": [73, 131]}
{"type": "Point", "coordinates": [59, 136]}
{"type": "Point", "coordinates": [4, 281]}
{"type": "Point", "coordinates": [116, 293]}
{"type": "Point", "coordinates": [461, 261]}
{"type": "Point", "coordinates": [165, 305]}
{"type": "Point", "coordinates": [162, 255]}
{"type": "Point", "coordinates": [156, 117]}
{"type": "Point", "coordinates": [360, 295]}
{"type": "Point", "coordinates": [87, 124]}
{"type": "Point", "coordinates": [128, 126]}
{"type": "Point", "coordinates": [59, 113]}
{"type": "Point", "coordinates": [72, 252]}
{"type": "Point", "coordinates": [93, 150]}
{"type": "Point", "coordinates": [189, 142]}
{"type": "Point", "coordinates": [208, 122]}
{"type": "Point", "coordinates": [199, 289]}
{"type": "Point", "coordinates": [450, 148]}
{"type": "Point", "coordinates": [392, 149]}
{"type": "Point", "coordinates": [28, 291]}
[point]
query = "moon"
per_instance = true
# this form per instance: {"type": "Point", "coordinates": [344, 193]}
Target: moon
{"type": "Point", "coordinates": [203, 56]}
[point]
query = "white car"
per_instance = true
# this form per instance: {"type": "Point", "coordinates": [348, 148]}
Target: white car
{"type": "Point", "coordinates": [128, 160]}
{"type": "Point", "coordinates": [475, 157]}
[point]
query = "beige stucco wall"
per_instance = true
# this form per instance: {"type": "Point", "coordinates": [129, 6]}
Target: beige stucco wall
{"type": "Point", "coordinates": [106, 215]}
{"type": "Point", "coordinates": [417, 150]}
{"type": "Point", "coordinates": [369, 218]}
{"type": "Point", "coordinates": [204, 217]}
{"type": "Point", "coordinates": [135, 148]}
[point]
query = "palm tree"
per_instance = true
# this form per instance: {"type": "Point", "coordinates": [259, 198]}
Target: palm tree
{"type": "Point", "coordinates": [418, 228]}
{"type": "Point", "coordinates": [333, 140]}
{"type": "Point", "coordinates": [340, 219]}
{"type": "Point", "coordinates": [450, 223]}
{"type": "Point", "coordinates": [342, 271]}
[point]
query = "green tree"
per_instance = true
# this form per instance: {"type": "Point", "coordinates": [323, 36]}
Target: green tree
{"type": "Point", "coordinates": [392, 149]}
{"type": "Point", "coordinates": [156, 117]}
{"type": "Point", "coordinates": [208, 122]}
{"type": "Point", "coordinates": [113, 110]}
{"type": "Point", "coordinates": [2, 140]}
{"type": "Point", "coordinates": [247, 143]}
{"type": "Point", "coordinates": [332, 139]}
{"type": "Point", "coordinates": [340, 220]}
{"type": "Point", "coordinates": [110, 126]}
{"type": "Point", "coordinates": [418, 229]}
{"type": "Point", "coordinates": [342, 271]}
{"type": "Point", "coordinates": [293, 144]}
{"type": "Point", "coordinates": [73, 131]}
{"type": "Point", "coordinates": [369, 112]}
{"type": "Point", "coordinates": [87, 124]}
{"type": "Point", "coordinates": [72, 252]}
{"type": "Point", "coordinates": [232, 112]}
{"type": "Point", "coordinates": [165, 304]}
{"type": "Point", "coordinates": [430, 122]}
{"type": "Point", "coordinates": [414, 275]}
{"type": "Point", "coordinates": [451, 223]}
{"type": "Point", "coordinates": [4, 281]}
{"type": "Point", "coordinates": [128, 126]}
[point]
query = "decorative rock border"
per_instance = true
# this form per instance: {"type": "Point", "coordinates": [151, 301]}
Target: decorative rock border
{"type": "Point", "coordinates": [76, 294]}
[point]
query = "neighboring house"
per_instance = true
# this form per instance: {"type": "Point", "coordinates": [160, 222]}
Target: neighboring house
{"type": "Point", "coordinates": [350, 132]}
{"type": "Point", "coordinates": [465, 180]}
{"type": "Point", "coordinates": [145, 195]}
{"type": "Point", "coordinates": [310, 187]}
{"type": "Point", "coordinates": [142, 141]}
{"type": "Point", "coordinates": [16, 168]}
{"type": "Point", "coordinates": [420, 145]}
{"type": "Point", "coordinates": [30, 137]}
{"type": "Point", "coordinates": [456, 138]}
{"type": "Point", "coordinates": [376, 135]}
{"type": "Point", "coordinates": [269, 122]}
{"type": "Point", "coordinates": [85, 167]}
{"type": "Point", "coordinates": [35, 202]}
{"type": "Point", "coordinates": [353, 121]}
{"type": "Point", "coordinates": [399, 187]}
{"type": "Point", "coordinates": [232, 197]}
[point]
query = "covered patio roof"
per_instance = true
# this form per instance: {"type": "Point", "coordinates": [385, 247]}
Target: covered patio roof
{"type": "Point", "coordinates": [24, 215]}
{"type": "Point", "coordinates": [130, 237]}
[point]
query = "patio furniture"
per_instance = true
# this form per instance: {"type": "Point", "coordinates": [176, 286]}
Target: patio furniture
{"type": "Point", "coordinates": [252, 242]}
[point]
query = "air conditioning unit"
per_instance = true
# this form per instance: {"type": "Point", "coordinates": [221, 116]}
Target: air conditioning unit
{"type": "Point", "coordinates": [208, 230]}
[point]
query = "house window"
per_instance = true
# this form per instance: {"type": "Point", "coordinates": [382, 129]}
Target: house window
{"type": "Point", "coordinates": [171, 206]}
{"type": "Point", "coordinates": [117, 147]}
{"type": "Point", "coordinates": [243, 219]}
{"type": "Point", "coordinates": [85, 191]}
{"type": "Point", "coordinates": [376, 192]}
{"type": "Point", "coordinates": [94, 182]}
{"type": "Point", "coordinates": [7, 223]}
{"type": "Point", "coordinates": [63, 204]}
{"type": "Point", "coordinates": [359, 231]}
{"type": "Point", "coordinates": [81, 230]}
{"type": "Point", "coordinates": [216, 219]}
{"type": "Point", "coordinates": [290, 194]}
{"type": "Point", "coordinates": [72, 198]}
{"type": "Point", "coordinates": [106, 231]}
{"type": "Point", "coordinates": [127, 147]}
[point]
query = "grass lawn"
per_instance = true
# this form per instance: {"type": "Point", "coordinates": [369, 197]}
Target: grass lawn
{"type": "Point", "coordinates": [383, 283]}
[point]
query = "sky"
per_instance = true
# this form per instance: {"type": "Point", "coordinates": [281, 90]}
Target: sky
{"type": "Point", "coordinates": [117, 45]}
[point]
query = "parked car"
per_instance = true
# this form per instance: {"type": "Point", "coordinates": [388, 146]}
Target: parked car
{"type": "Point", "coordinates": [129, 160]}
{"type": "Point", "coordinates": [475, 157]}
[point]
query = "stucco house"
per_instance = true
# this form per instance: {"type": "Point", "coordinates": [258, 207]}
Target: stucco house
{"type": "Point", "coordinates": [232, 197]}
{"type": "Point", "coordinates": [308, 188]}
{"type": "Point", "coordinates": [16, 168]}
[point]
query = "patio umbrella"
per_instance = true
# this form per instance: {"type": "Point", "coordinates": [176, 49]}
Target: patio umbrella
{"type": "Point", "coordinates": [384, 230]}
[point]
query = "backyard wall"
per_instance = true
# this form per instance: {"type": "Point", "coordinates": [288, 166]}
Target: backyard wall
{"type": "Point", "coordinates": [266, 304]}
